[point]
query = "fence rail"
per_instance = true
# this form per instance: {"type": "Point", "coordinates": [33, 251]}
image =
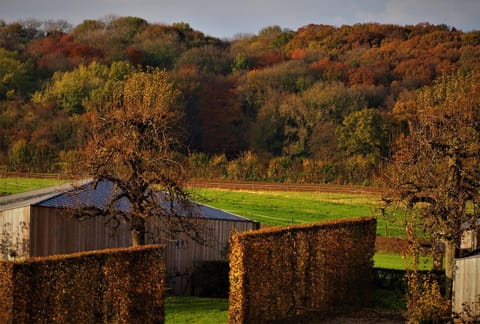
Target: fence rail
{"type": "Point", "coordinates": [233, 185]}
{"type": "Point", "coordinates": [227, 184]}
{"type": "Point", "coordinates": [275, 186]}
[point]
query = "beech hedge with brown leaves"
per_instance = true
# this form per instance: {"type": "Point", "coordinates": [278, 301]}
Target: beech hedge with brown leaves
{"type": "Point", "coordinates": [108, 286]}
{"type": "Point", "coordinates": [300, 272]}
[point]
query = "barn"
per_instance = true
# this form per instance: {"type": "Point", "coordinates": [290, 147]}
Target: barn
{"type": "Point", "coordinates": [37, 223]}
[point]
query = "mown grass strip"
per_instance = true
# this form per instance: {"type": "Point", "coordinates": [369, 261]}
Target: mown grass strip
{"type": "Point", "coordinates": [9, 186]}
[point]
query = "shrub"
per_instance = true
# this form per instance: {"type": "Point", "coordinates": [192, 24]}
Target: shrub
{"type": "Point", "coordinates": [244, 167]}
{"type": "Point", "coordinates": [297, 272]}
{"type": "Point", "coordinates": [109, 286]}
{"type": "Point", "coordinates": [425, 302]}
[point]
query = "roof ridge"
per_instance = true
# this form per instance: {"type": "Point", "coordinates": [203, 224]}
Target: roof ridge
{"type": "Point", "coordinates": [72, 187]}
{"type": "Point", "coordinates": [65, 195]}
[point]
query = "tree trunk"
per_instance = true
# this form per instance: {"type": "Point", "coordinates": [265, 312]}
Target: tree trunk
{"type": "Point", "coordinates": [450, 249]}
{"type": "Point", "coordinates": [137, 231]}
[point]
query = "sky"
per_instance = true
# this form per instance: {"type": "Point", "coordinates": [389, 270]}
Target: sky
{"type": "Point", "coordinates": [228, 18]}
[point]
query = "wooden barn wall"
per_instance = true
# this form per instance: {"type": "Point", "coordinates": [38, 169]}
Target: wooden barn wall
{"type": "Point", "coordinates": [466, 286]}
{"type": "Point", "coordinates": [182, 252]}
{"type": "Point", "coordinates": [53, 231]}
{"type": "Point", "coordinates": [14, 233]}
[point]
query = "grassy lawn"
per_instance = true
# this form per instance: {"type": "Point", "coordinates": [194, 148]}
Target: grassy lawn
{"type": "Point", "coordinates": [196, 310]}
{"type": "Point", "coordinates": [398, 262]}
{"type": "Point", "coordinates": [285, 208]}
{"type": "Point", "coordinates": [10, 186]}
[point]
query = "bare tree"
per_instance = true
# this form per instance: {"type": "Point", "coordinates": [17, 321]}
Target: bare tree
{"type": "Point", "coordinates": [134, 139]}
{"type": "Point", "coordinates": [435, 172]}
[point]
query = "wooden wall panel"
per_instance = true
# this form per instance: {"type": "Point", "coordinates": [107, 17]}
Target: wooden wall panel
{"type": "Point", "coordinates": [466, 288]}
{"type": "Point", "coordinates": [182, 252]}
{"type": "Point", "coordinates": [14, 233]}
{"type": "Point", "coordinates": [52, 231]}
{"type": "Point", "coordinates": [55, 232]}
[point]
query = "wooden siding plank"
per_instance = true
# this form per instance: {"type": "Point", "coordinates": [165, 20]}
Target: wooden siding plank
{"type": "Point", "coordinates": [14, 233]}
{"type": "Point", "coordinates": [467, 285]}
{"type": "Point", "coordinates": [54, 232]}
{"type": "Point", "coordinates": [180, 260]}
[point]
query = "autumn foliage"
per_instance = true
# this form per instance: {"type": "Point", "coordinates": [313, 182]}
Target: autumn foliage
{"type": "Point", "coordinates": [109, 286]}
{"type": "Point", "coordinates": [300, 272]}
{"type": "Point", "coordinates": [279, 94]}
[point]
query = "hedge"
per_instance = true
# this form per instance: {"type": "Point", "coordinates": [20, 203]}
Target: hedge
{"type": "Point", "coordinates": [300, 272]}
{"type": "Point", "coordinates": [107, 286]}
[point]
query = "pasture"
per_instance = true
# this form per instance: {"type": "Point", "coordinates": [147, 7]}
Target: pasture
{"type": "Point", "coordinates": [280, 208]}
{"type": "Point", "coordinates": [399, 262]}
{"type": "Point", "coordinates": [270, 208]}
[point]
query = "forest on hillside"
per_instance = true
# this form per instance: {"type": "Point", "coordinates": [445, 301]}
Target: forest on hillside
{"type": "Point", "coordinates": [317, 105]}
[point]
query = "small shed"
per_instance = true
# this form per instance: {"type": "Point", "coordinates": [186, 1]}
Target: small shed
{"type": "Point", "coordinates": [470, 238]}
{"type": "Point", "coordinates": [37, 223]}
{"type": "Point", "coordinates": [466, 286]}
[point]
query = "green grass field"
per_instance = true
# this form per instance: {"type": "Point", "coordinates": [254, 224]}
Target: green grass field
{"type": "Point", "coordinates": [399, 262]}
{"type": "Point", "coordinates": [284, 208]}
{"type": "Point", "coordinates": [269, 208]}
{"type": "Point", "coordinates": [9, 186]}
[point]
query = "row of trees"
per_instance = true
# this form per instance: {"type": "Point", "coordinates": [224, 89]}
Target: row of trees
{"type": "Point", "coordinates": [322, 93]}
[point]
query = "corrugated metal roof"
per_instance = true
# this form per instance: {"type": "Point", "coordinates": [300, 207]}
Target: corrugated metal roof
{"type": "Point", "coordinates": [83, 196]}
{"type": "Point", "coordinates": [99, 197]}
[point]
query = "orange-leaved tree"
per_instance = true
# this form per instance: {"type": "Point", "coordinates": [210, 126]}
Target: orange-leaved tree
{"type": "Point", "coordinates": [435, 169]}
{"type": "Point", "coordinates": [134, 139]}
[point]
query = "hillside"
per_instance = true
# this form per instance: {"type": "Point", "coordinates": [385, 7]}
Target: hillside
{"type": "Point", "coordinates": [321, 104]}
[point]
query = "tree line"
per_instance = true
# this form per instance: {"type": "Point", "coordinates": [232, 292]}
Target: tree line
{"type": "Point", "coordinates": [319, 104]}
